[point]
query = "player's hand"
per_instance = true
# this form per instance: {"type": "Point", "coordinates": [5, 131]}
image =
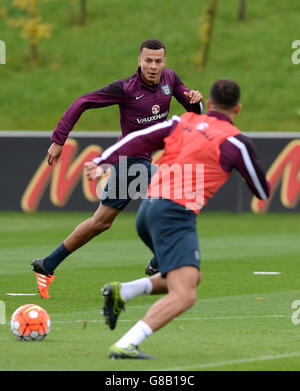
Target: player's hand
{"type": "Point", "coordinates": [54, 153]}
{"type": "Point", "coordinates": [93, 171]}
{"type": "Point", "coordinates": [194, 96]}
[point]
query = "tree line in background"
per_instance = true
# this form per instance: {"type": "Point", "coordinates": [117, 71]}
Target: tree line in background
{"type": "Point", "coordinates": [31, 24]}
{"type": "Point", "coordinates": [34, 29]}
{"type": "Point", "coordinates": [205, 31]}
{"type": "Point", "coordinates": [82, 12]}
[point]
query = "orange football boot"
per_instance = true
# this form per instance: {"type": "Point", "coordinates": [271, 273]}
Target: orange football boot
{"type": "Point", "coordinates": [43, 278]}
{"type": "Point", "coordinates": [43, 283]}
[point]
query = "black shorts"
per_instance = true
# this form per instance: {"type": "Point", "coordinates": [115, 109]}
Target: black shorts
{"type": "Point", "coordinates": [169, 230]}
{"type": "Point", "coordinates": [129, 180]}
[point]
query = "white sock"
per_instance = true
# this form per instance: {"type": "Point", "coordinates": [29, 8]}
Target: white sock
{"type": "Point", "coordinates": [135, 335]}
{"type": "Point", "coordinates": [142, 286]}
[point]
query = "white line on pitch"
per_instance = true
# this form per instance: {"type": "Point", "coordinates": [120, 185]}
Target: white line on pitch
{"type": "Point", "coordinates": [267, 273]}
{"type": "Point", "coordinates": [232, 362]}
{"type": "Point", "coordinates": [179, 319]}
{"type": "Point", "coordinates": [21, 294]}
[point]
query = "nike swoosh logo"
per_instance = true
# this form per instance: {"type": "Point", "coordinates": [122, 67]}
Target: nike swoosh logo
{"type": "Point", "coordinates": [139, 97]}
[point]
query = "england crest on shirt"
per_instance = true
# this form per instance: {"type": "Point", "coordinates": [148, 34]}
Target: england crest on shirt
{"type": "Point", "coordinates": [166, 89]}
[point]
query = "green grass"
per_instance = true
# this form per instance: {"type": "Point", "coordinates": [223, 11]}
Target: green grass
{"type": "Point", "coordinates": [257, 53]}
{"type": "Point", "coordinates": [240, 322]}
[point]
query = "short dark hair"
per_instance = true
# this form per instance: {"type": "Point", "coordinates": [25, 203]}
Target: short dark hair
{"type": "Point", "coordinates": [225, 93]}
{"type": "Point", "coordinates": [154, 44]}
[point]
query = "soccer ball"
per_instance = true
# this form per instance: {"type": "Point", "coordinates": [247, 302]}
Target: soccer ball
{"type": "Point", "coordinates": [30, 322]}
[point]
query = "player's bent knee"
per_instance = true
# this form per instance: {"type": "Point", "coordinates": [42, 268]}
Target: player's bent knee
{"type": "Point", "coordinates": [191, 298]}
{"type": "Point", "coordinates": [187, 300]}
{"type": "Point", "coordinates": [103, 218]}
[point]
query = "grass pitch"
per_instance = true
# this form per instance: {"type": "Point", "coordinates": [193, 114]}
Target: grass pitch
{"type": "Point", "coordinates": [241, 321]}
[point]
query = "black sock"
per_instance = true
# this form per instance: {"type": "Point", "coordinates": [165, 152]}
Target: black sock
{"type": "Point", "coordinates": [55, 258]}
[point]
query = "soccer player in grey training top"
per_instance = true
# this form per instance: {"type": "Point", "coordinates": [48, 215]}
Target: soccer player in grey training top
{"type": "Point", "coordinates": [143, 99]}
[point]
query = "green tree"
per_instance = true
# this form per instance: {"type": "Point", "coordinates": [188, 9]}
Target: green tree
{"type": "Point", "coordinates": [31, 25]}
{"type": "Point", "coordinates": [82, 12]}
{"type": "Point", "coordinates": [242, 10]}
{"type": "Point", "coordinates": [205, 33]}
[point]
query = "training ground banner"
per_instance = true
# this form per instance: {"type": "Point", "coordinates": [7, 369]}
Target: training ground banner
{"type": "Point", "coordinates": [28, 184]}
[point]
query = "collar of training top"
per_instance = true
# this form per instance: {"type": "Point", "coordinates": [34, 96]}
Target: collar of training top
{"type": "Point", "coordinates": [220, 116]}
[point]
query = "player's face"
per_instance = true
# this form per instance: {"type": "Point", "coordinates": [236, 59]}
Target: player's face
{"type": "Point", "coordinates": [152, 63]}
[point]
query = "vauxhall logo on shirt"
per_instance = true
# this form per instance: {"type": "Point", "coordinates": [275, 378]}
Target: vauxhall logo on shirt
{"type": "Point", "coordinates": [156, 115]}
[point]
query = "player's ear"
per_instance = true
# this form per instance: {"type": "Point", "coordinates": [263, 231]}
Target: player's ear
{"type": "Point", "coordinates": [139, 60]}
{"type": "Point", "coordinates": [237, 108]}
{"type": "Point", "coordinates": [208, 105]}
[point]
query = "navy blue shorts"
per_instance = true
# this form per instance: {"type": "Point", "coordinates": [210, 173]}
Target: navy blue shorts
{"type": "Point", "coordinates": [169, 230]}
{"type": "Point", "coordinates": [128, 181]}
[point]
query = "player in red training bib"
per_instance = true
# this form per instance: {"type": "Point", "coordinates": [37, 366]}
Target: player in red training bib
{"type": "Point", "coordinates": [200, 152]}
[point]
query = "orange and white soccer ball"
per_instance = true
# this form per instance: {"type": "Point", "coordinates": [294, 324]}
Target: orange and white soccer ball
{"type": "Point", "coordinates": [30, 322]}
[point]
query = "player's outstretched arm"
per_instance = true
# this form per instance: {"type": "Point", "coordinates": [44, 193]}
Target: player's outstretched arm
{"type": "Point", "coordinates": [106, 96]}
{"type": "Point", "coordinates": [239, 152]}
{"type": "Point", "coordinates": [141, 141]}
{"type": "Point", "coordinates": [191, 100]}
